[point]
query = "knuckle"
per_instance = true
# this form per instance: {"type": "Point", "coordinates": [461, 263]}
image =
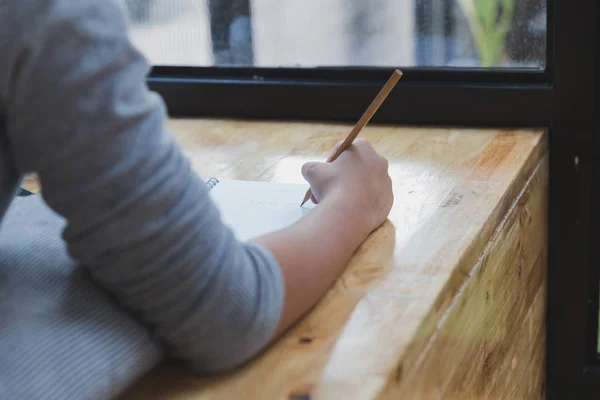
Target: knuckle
{"type": "Point", "coordinates": [362, 143]}
{"type": "Point", "coordinates": [362, 146]}
{"type": "Point", "coordinates": [382, 162]}
{"type": "Point", "coordinates": [337, 145]}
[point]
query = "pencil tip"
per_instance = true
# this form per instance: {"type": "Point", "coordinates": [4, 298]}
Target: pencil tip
{"type": "Point", "coordinates": [306, 197]}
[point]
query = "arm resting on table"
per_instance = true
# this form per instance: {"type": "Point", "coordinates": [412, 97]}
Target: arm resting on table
{"type": "Point", "coordinates": [79, 113]}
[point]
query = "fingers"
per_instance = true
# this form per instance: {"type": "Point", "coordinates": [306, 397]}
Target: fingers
{"type": "Point", "coordinates": [316, 174]}
{"type": "Point", "coordinates": [313, 199]}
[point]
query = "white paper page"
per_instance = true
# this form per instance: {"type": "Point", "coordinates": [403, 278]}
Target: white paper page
{"type": "Point", "coordinates": [252, 209]}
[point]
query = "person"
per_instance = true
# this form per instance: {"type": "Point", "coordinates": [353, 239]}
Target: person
{"type": "Point", "coordinates": [76, 110]}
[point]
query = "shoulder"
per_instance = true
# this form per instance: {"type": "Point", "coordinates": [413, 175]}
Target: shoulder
{"type": "Point", "coordinates": [32, 30]}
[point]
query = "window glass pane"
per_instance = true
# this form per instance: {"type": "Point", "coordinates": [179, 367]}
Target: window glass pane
{"type": "Point", "coordinates": [310, 33]}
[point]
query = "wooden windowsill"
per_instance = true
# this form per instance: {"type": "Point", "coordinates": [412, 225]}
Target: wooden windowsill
{"type": "Point", "coordinates": [446, 300]}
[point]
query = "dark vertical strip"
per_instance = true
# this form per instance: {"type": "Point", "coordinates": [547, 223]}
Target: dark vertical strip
{"type": "Point", "coordinates": [231, 32]}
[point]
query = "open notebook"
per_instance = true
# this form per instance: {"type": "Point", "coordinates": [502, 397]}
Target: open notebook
{"type": "Point", "coordinates": [252, 208]}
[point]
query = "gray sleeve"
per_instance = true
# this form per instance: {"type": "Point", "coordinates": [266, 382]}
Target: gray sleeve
{"type": "Point", "coordinates": [79, 113]}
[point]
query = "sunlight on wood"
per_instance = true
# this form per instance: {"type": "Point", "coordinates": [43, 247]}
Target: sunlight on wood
{"type": "Point", "coordinates": [424, 308]}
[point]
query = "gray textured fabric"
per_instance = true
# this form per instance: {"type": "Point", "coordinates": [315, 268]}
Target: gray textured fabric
{"type": "Point", "coordinates": [75, 108]}
{"type": "Point", "coordinates": [61, 337]}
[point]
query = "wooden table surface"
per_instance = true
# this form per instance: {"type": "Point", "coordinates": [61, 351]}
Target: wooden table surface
{"type": "Point", "coordinates": [453, 190]}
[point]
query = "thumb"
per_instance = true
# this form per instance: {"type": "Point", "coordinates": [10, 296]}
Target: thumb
{"type": "Point", "coordinates": [314, 172]}
{"type": "Point", "coordinates": [317, 174]}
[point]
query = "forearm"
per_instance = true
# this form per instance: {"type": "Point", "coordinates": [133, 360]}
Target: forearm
{"type": "Point", "coordinates": [137, 218]}
{"type": "Point", "coordinates": [312, 254]}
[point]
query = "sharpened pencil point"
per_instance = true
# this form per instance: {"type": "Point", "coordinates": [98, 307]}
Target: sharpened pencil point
{"type": "Point", "coordinates": [306, 197]}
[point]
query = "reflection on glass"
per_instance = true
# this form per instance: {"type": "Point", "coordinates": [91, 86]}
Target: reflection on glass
{"type": "Point", "coordinates": [309, 33]}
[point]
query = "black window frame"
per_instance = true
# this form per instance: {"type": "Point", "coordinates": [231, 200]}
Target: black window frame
{"type": "Point", "coordinates": [561, 98]}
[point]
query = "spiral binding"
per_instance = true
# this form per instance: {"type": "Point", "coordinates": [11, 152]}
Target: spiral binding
{"type": "Point", "coordinates": [211, 183]}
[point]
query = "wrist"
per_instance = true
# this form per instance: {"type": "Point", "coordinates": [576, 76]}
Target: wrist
{"type": "Point", "coordinates": [350, 218]}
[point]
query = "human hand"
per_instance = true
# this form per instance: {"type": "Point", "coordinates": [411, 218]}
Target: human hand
{"type": "Point", "coordinates": [357, 180]}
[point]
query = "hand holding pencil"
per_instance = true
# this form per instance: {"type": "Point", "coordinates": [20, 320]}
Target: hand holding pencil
{"type": "Point", "coordinates": [366, 117]}
{"type": "Point", "coordinates": [354, 185]}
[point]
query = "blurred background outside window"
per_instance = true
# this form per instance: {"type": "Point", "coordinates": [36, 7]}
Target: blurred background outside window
{"type": "Point", "coordinates": [359, 33]}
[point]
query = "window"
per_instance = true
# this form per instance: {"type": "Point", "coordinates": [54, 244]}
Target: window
{"type": "Point", "coordinates": [325, 33]}
{"type": "Point", "coordinates": [246, 59]}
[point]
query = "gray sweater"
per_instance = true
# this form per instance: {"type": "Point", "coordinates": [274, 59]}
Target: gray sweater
{"type": "Point", "coordinates": [126, 258]}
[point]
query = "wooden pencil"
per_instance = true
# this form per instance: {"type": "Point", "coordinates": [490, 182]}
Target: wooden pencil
{"type": "Point", "coordinates": [363, 121]}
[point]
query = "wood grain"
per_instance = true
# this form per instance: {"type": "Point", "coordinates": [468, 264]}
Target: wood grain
{"type": "Point", "coordinates": [490, 342]}
{"type": "Point", "coordinates": [32, 183]}
{"type": "Point", "coordinates": [397, 299]}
